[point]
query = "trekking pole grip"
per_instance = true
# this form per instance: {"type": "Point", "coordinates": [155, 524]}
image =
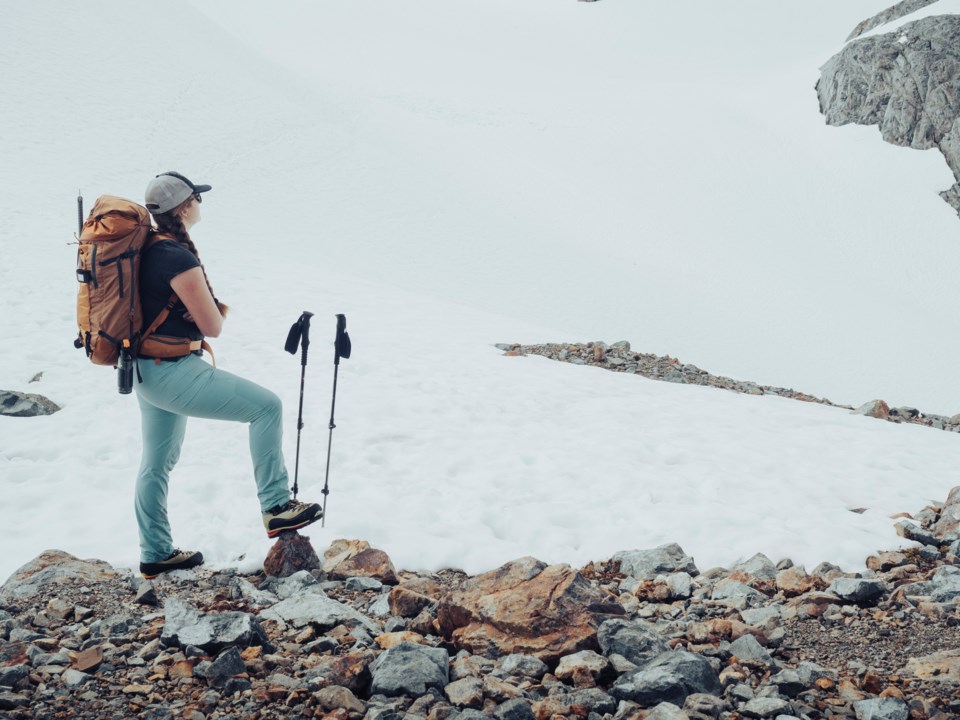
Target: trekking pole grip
{"type": "Point", "coordinates": [305, 335]}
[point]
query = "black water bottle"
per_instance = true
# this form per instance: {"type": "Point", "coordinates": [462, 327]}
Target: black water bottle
{"type": "Point", "coordinates": [125, 370]}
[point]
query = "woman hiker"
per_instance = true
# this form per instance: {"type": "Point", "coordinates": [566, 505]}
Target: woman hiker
{"type": "Point", "coordinates": [175, 388]}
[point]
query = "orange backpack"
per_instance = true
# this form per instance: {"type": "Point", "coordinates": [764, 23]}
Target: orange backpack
{"type": "Point", "coordinates": [108, 266]}
{"type": "Point", "coordinates": [112, 332]}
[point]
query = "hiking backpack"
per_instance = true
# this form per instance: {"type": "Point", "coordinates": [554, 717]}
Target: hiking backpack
{"type": "Point", "coordinates": [111, 239]}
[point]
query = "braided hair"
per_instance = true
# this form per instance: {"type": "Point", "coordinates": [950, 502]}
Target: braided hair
{"type": "Point", "coordinates": [170, 223]}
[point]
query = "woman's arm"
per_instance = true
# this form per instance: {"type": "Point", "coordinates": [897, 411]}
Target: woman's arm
{"type": "Point", "coordinates": [191, 287]}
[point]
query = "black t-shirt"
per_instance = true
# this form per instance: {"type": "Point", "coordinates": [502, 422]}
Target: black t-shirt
{"type": "Point", "coordinates": [159, 264]}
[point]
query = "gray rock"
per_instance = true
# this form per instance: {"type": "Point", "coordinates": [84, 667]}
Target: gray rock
{"type": "Point", "coordinates": [881, 709]}
{"type": "Point", "coordinates": [635, 640]}
{"type": "Point", "coordinates": [593, 699]}
{"type": "Point", "coordinates": [910, 531]}
{"type": "Point", "coordinates": [147, 594]}
{"type": "Point", "coordinates": [943, 586]}
{"type": "Point", "coordinates": [185, 625]}
{"type": "Point", "coordinates": [75, 678]}
{"type": "Point", "coordinates": [310, 608]}
{"type": "Point", "coordinates": [667, 711]}
{"type": "Point", "coordinates": [381, 606]}
{"type": "Point", "coordinates": [363, 583]}
{"type": "Point", "coordinates": [670, 677]}
{"type": "Point", "coordinates": [810, 672]}
{"type": "Point", "coordinates": [746, 647]}
{"type": "Point", "coordinates": [897, 81]}
{"type": "Point", "coordinates": [896, 12]}
{"type": "Point", "coordinates": [766, 617]}
{"type": "Point", "coordinates": [298, 583]}
{"type": "Point", "coordinates": [116, 628]}
{"type": "Point", "coordinates": [241, 588]}
{"type": "Point", "coordinates": [227, 664]}
{"type": "Point", "coordinates": [410, 669]}
{"type": "Point", "coordinates": [858, 590]}
{"type": "Point", "coordinates": [765, 707]}
{"type": "Point", "coordinates": [759, 566]}
{"type": "Point", "coordinates": [466, 692]}
{"type": "Point", "coordinates": [680, 584]}
{"type": "Point", "coordinates": [516, 709]}
{"type": "Point", "coordinates": [12, 674]}
{"type": "Point", "coordinates": [49, 569]}
{"type": "Point", "coordinates": [788, 682]}
{"type": "Point", "coordinates": [730, 589]}
{"type": "Point", "coordinates": [19, 404]}
{"type": "Point", "coordinates": [703, 705]}
{"type": "Point", "coordinates": [12, 701]}
{"type": "Point", "coordinates": [949, 521]}
{"type": "Point", "coordinates": [524, 665]}
{"type": "Point", "coordinates": [647, 564]}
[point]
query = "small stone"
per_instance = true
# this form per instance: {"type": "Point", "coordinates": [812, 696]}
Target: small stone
{"type": "Point", "coordinates": [89, 660]}
{"type": "Point", "coordinates": [147, 594]}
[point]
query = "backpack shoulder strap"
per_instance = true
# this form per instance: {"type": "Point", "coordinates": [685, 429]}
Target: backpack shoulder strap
{"type": "Point", "coordinates": [158, 320]}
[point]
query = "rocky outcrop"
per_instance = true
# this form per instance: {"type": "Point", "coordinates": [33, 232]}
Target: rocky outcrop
{"type": "Point", "coordinates": [901, 9]}
{"type": "Point", "coordinates": [619, 357]}
{"type": "Point", "coordinates": [905, 83]}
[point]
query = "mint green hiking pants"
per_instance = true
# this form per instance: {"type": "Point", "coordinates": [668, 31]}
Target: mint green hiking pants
{"type": "Point", "coordinates": [171, 392]}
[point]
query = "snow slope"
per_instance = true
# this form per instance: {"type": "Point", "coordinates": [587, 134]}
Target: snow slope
{"type": "Point", "coordinates": [452, 178]}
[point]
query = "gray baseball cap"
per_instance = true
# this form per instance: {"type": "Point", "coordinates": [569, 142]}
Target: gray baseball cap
{"type": "Point", "coordinates": [169, 189]}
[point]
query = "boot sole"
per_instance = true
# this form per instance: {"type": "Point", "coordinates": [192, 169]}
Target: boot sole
{"type": "Point", "coordinates": [297, 526]}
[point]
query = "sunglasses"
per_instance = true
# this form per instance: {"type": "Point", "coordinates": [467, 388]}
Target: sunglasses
{"type": "Point", "coordinates": [196, 196]}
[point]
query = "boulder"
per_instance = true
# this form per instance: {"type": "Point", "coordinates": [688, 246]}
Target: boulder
{"type": "Point", "coordinates": [310, 608]}
{"type": "Point", "coordinates": [227, 664]}
{"type": "Point", "coordinates": [890, 708]}
{"type": "Point", "coordinates": [635, 640]}
{"type": "Point", "coordinates": [874, 408]}
{"type": "Point", "coordinates": [746, 648]}
{"type": "Point", "coordinates": [52, 568]}
{"type": "Point", "coordinates": [19, 404]}
{"type": "Point", "coordinates": [858, 590]}
{"type": "Point", "coordinates": [524, 665]}
{"type": "Point", "coordinates": [670, 677]}
{"type": "Point", "coordinates": [291, 553]}
{"type": "Point", "coordinates": [355, 558]}
{"type": "Point", "coordinates": [526, 607]}
{"type": "Point", "coordinates": [647, 564]}
{"type": "Point", "coordinates": [407, 603]}
{"type": "Point", "coordinates": [759, 567]}
{"type": "Point", "coordinates": [899, 81]}
{"type": "Point", "coordinates": [410, 669]}
{"type": "Point", "coordinates": [949, 522]}
{"type": "Point", "coordinates": [184, 626]}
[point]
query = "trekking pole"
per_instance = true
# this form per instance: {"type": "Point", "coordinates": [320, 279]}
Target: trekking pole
{"type": "Point", "coordinates": [79, 214]}
{"type": "Point", "coordinates": [341, 349]}
{"type": "Point", "coordinates": [299, 335]}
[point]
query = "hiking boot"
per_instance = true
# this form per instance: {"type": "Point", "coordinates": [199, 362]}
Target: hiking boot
{"type": "Point", "coordinates": [290, 516]}
{"type": "Point", "coordinates": [177, 560]}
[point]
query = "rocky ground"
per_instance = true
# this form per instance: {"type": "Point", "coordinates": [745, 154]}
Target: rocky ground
{"type": "Point", "coordinates": [645, 634]}
{"type": "Point", "coordinates": [619, 357]}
